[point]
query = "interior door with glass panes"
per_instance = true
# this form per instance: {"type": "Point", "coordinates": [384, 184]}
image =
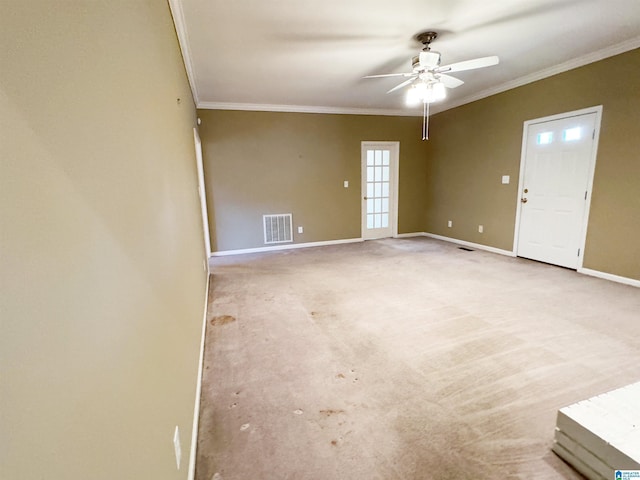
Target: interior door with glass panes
{"type": "Point", "coordinates": [379, 186]}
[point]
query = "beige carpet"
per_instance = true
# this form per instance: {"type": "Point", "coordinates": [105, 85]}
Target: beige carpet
{"type": "Point", "coordinates": [403, 359]}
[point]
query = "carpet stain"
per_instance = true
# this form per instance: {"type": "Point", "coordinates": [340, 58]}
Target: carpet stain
{"type": "Point", "coordinates": [334, 442]}
{"type": "Point", "coordinates": [222, 320]}
{"type": "Point", "coordinates": [330, 412]}
{"type": "Point", "coordinates": [340, 375]}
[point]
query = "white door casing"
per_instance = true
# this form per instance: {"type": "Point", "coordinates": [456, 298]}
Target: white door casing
{"type": "Point", "coordinates": [380, 166]}
{"type": "Point", "coordinates": [202, 193]}
{"type": "Point", "coordinates": [556, 178]}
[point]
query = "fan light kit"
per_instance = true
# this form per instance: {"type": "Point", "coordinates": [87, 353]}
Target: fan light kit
{"type": "Point", "coordinates": [424, 92]}
{"type": "Point", "coordinates": [429, 81]}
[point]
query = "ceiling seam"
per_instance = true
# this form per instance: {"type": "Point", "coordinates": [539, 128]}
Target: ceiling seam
{"type": "Point", "coordinates": [592, 57]}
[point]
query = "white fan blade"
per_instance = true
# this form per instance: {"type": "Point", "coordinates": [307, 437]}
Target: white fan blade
{"type": "Point", "coordinates": [470, 64]}
{"type": "Point", "coordinates": [403, 84]}
{"type": "Point", "coordinates": [449, 81]}
{"type": "Point", "coordinates": [390, 75]}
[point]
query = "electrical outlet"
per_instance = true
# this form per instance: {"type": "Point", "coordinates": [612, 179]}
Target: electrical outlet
{"type": "Point", "coordinates": [176, 446]}
{"type": "Point", "coordinates": [300, 230]}
{"type": "Point", "coordinates": [346, 184]}
{"type": "Point", "coordinates": [450, 224]}
{"type": "Point", "coordinates": [505, 179]}
{"type": "Point", "coordinates": [480, 228]}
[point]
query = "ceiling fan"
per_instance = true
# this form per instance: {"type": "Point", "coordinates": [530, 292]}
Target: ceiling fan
{"type": "Point", "coordinates": [428, 79]}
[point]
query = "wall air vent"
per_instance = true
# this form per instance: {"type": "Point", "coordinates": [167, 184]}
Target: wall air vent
{"type": "Point", "coordinates": [277, 228]}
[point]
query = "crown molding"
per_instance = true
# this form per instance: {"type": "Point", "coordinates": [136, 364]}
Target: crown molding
{"type": "Point", "coordinates": [256, 107]}
{"type": "Point", "coordinates": [592, 57]}
{"type": "Point", "coordinates": [180, 25]}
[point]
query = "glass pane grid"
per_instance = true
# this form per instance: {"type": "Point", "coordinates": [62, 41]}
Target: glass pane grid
{"type": "Point", "coordinates": [378, 178]}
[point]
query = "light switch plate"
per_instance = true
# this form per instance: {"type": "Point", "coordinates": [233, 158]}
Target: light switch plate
{"type": "Point", "coordinates": [346, 184]}
{"type": "Point", "coordinates": [505, 179]}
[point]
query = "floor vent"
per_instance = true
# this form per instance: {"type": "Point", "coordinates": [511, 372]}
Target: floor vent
{"type": "Point", "coordinates": [466, 249]}
{"type": "Point", "coordinates": [277, 228]}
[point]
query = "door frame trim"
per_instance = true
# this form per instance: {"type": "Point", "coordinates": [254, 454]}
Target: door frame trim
{"type": "Point", "coordinates": [592, 167]}
{"type": "Point", "coordinates": [202, 193]}
{"type": "Point", "coordinates": [395, 171]}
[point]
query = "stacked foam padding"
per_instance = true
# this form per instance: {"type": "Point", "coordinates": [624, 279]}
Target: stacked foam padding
{"type": "Point", "coordinates": [601, 435]}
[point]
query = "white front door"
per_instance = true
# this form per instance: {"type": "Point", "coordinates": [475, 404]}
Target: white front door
{"type": "Point", "coordinates": [558, 165]}
{"type": "Point", "coordinates": [379, 189]}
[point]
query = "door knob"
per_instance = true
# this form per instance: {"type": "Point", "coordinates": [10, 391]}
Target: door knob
{"type": "Point", "coordinates": [364, 198]}
{"type": "Point", "coordinates": [523, 200]}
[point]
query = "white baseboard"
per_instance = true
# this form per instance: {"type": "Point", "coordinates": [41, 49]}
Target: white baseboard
{"type": "Point", "coordinates": [410, 235]}
{"type": "Point", "coordinates": [477, 246]}
{"type": "Point", "coordinates": [196, 409]}
{"type": "Point", "coordinates": [608, 276]}
{"type": "Point", "coordinates": [289, 246]}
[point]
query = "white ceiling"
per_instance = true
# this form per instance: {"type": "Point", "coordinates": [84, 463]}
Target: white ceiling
{"type": "Point", "coordinates": [311, 55]}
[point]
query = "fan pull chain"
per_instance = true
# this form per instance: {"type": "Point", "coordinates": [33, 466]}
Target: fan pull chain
{"type": "Point", "coordinates": [425, 121]}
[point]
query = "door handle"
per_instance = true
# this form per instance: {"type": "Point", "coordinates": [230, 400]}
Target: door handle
{"type": "Point", "coordinates": [523, 200]}
{"type": "Point", "coordinates": [364, 198]}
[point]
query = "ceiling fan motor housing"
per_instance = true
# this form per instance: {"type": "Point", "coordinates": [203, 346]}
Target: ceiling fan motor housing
{"type": "Point", "coordinates": [426, 60]}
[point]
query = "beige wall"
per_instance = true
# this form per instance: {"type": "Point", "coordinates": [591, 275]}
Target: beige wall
{"type": "Point", "coordinates": [259, 162]}
{"type": "Point", "coordinates": [472, 146]}
{"type": "Point", "coordinates": [264, 163]}
{"type": "Point", "coordinates": [102, 281]}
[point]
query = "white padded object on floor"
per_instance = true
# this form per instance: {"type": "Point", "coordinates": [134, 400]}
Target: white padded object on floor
{"type": "Point", "coordinates": [602, 434]}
